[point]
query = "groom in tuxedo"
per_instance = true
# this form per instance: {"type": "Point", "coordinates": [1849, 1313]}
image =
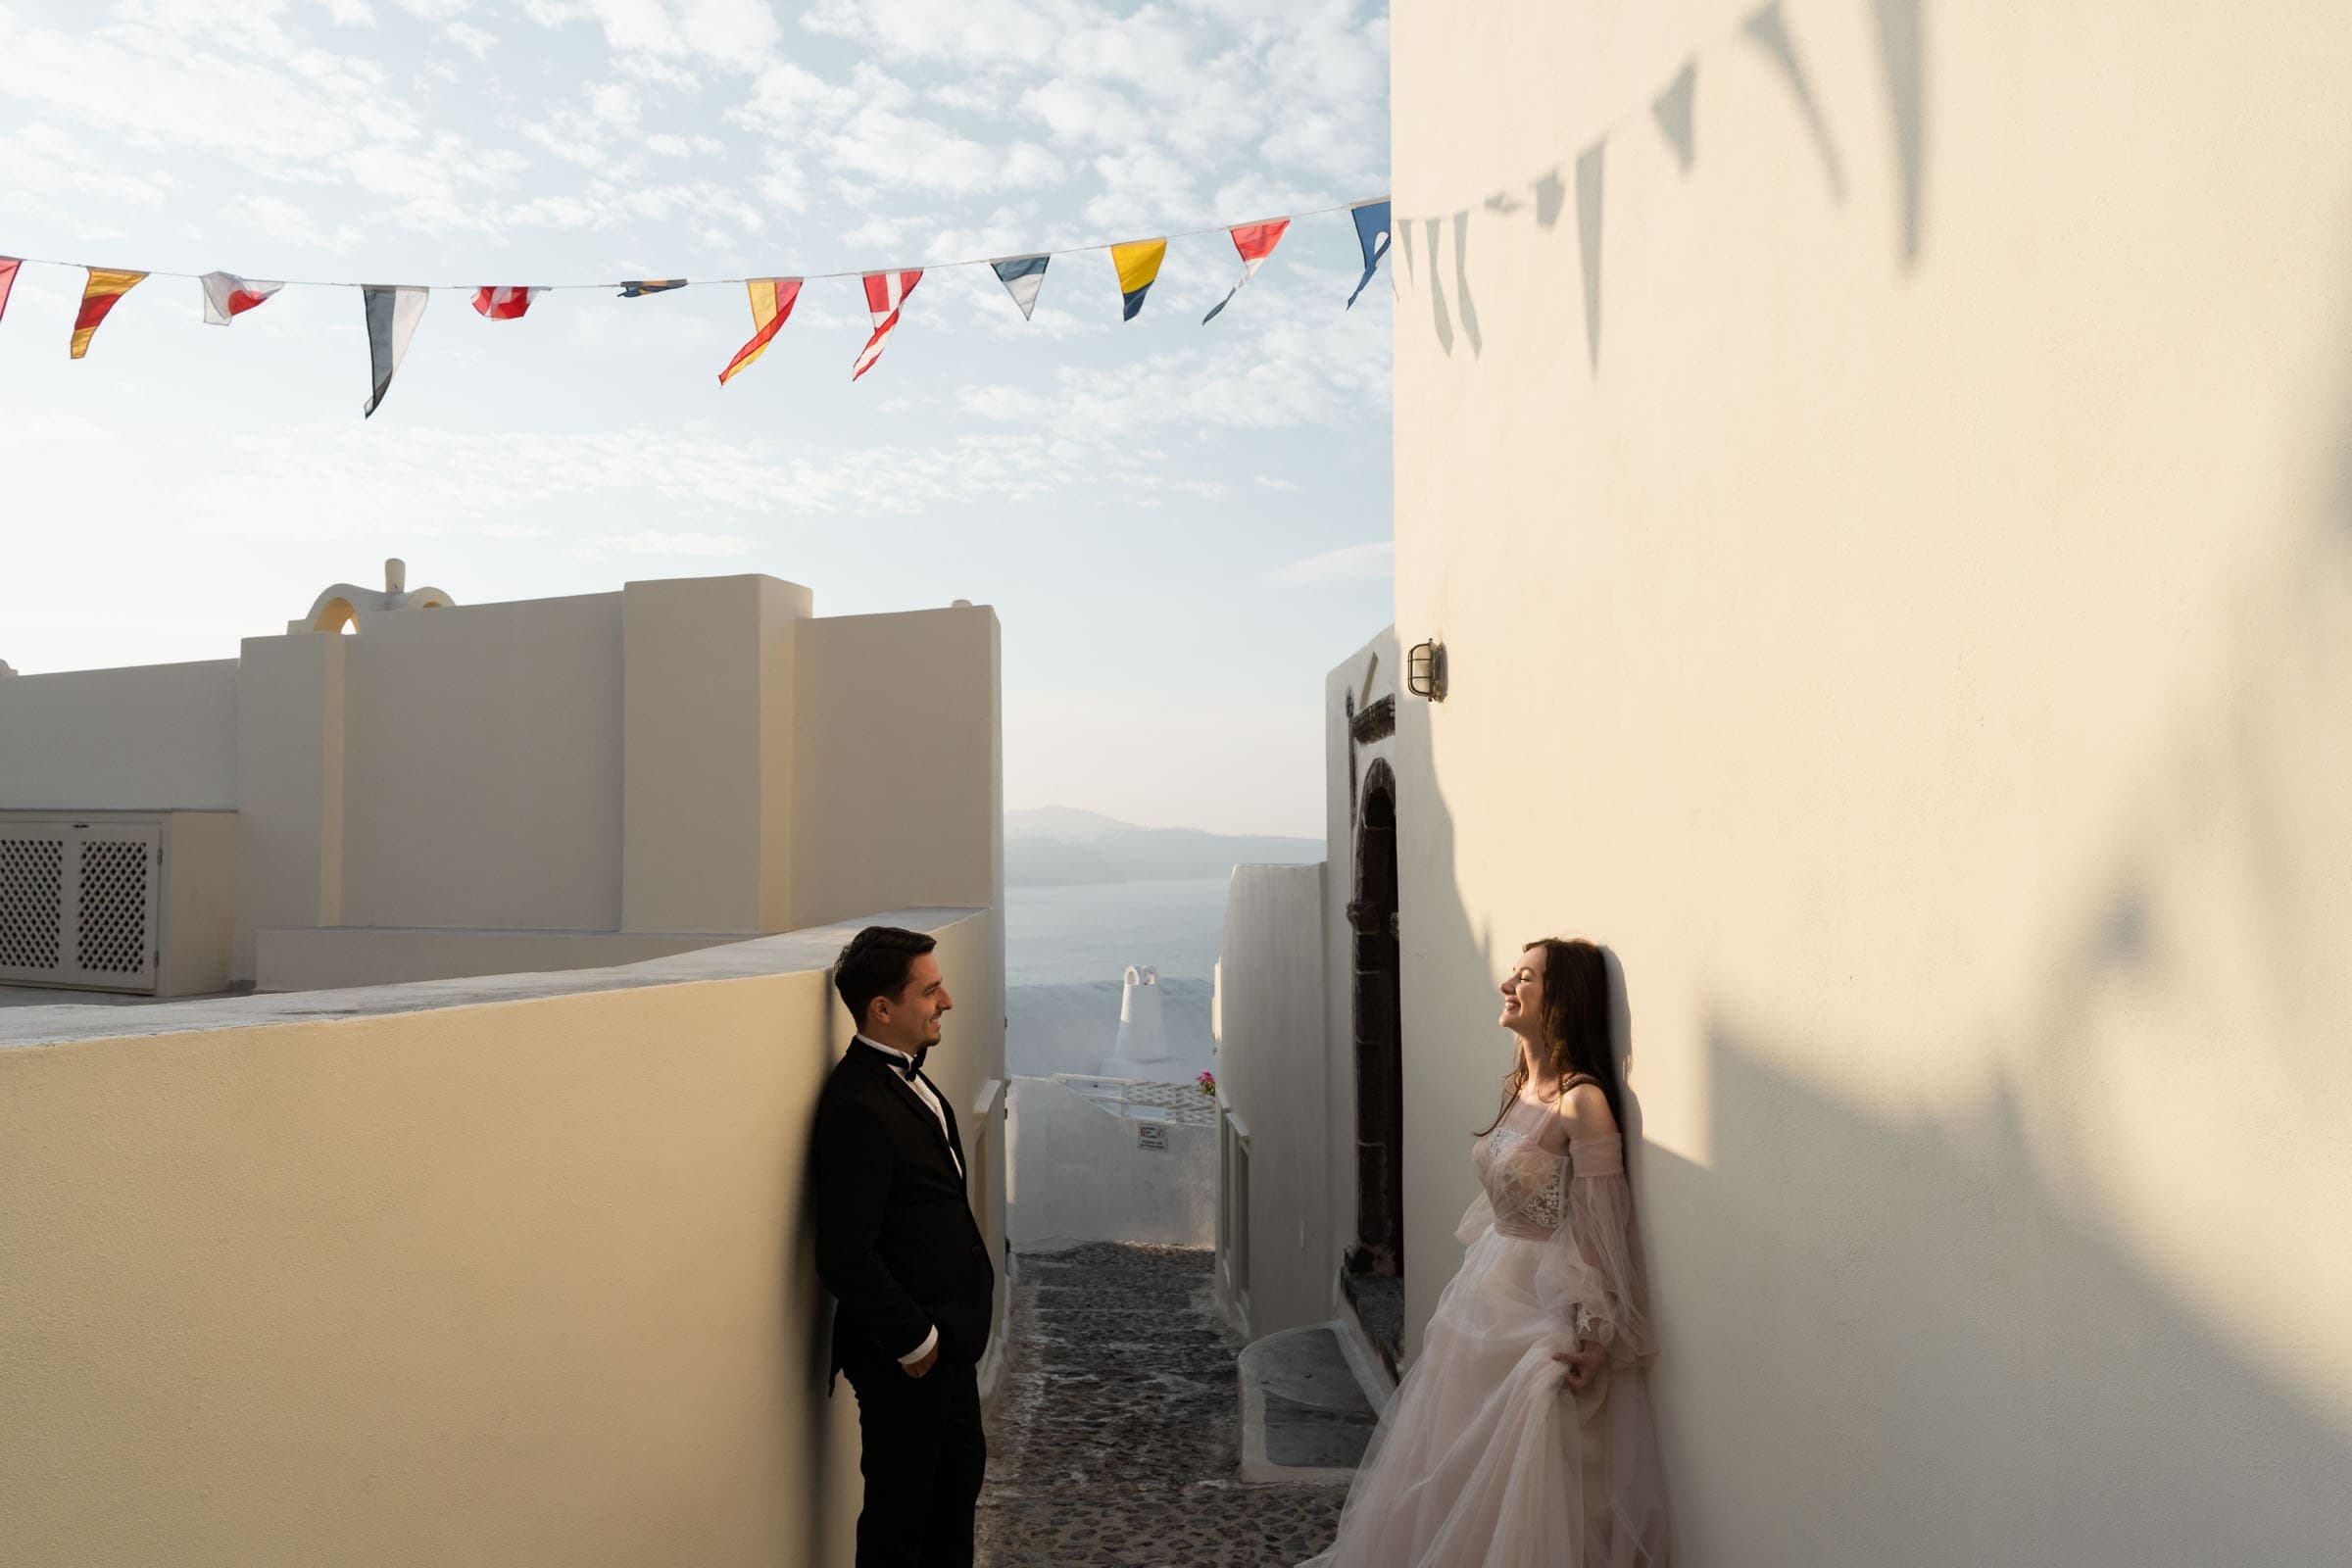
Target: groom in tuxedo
{"type": "Point", "coordinates": [899, 1249]}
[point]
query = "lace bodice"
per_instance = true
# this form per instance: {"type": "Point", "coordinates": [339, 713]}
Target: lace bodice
{"type": "Point", "coordinates": [1524, 1181]}
{"type": "Point", "coordinates": [1538, 1185]}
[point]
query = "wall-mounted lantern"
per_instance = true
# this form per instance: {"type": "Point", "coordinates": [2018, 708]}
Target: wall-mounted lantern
{"type": "Point", "coordinates": [1425, 670]}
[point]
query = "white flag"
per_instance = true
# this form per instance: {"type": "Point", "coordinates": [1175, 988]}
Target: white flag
{"type": "Point", "coordinates": [1022, 277]}
{"type": "Point", "coordinates": [392, 316]}
{"type": "Point", "coordinates": [226, 295]}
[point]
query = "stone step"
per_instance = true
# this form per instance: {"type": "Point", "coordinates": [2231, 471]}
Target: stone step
{"type": "Point", "coordinates": [1310, 1400]}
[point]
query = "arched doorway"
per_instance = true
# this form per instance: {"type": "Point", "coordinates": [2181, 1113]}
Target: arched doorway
{"type": "Point", "coordinates": [1375, 1264]}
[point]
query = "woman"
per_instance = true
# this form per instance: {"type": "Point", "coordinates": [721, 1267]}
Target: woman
{"type": "Point", "coordinates": [1521, 1435]}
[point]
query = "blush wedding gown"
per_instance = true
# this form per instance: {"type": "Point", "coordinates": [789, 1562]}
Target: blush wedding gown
{"type": "Point", "coordinates": [1484, 1459]}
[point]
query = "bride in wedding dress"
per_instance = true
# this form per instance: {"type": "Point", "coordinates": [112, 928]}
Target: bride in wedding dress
{"type": "Point", "coordinates": [1521, 1435]}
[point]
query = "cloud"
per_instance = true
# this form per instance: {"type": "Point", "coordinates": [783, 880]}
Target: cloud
{"type": "Point", "coordinates": [1334, 565]}
{"type": "Point", "coordinates": [653, 543]}
{"type": "Point", "coordinates": [288, 224]}
{"type": "Point", "coordinates": [735, 34]}
{"type": "Point", "coordinates": [42, 158]}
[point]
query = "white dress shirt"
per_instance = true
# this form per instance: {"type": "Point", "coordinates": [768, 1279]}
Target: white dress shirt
{"type": "Point", "coordinates": [923, 1092]}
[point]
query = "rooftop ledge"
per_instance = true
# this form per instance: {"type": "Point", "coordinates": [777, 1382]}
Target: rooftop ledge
{"type": "Point", "coordinates": [788, 952]}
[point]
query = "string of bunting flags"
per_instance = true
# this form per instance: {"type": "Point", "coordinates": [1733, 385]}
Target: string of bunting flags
{"type": "Point", "coordinates": [392, 310]}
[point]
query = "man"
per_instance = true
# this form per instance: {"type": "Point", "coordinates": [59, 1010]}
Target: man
{"type": "Point", "coordinates": [899, 1249]}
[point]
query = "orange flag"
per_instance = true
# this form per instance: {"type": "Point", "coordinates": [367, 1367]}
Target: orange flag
{"type": "Point", "coordinates": [98, 296]}
{"type": "Point", "coordinates": [772, 299]}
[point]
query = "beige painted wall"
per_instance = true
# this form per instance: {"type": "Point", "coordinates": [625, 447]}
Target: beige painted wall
{"type": "Point", "coordinates": [687, 756]}
{"type": "Point", "coordinates": [1273, 1073]}
{"type": "Point", "coordinates": [522, 1282]}
{"type": "Point", "coordinates": [145, 738]}
{"type": "Point", "coordinates": [710, 732]}
{"type": "Point", "coordinates": [899, 767]}
{"type": "Point", "coordinates": [333, 957]}
{"type": "Point", "coordinates": [482, 760]}
{"type": "Point", "coordinates": [198, 924]}
{"type": "Point", "coordinates": [1924, 666]}
{"type": "Point", "coordinates": [289, 740]}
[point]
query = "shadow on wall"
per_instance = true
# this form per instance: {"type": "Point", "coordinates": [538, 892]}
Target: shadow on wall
{"type": "Point", "coordinates": [1969, 1369]}
{"type": "Point", "coordinates": [805, 1387]}
{"type": "Point", "coordinates": [1899, 36]}
{"type": "Point", "coordinates": [1949, 1337]}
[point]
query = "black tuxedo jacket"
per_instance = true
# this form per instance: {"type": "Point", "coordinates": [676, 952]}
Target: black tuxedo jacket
{"type": "Point", "coordinates": [896, 1242]}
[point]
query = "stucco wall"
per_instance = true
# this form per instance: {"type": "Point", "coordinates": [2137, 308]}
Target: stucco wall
{"type": "Point", "coordinates": [1273, 1072]}
{"type": "Point", "coordinates": [482, 762]}
{"type": "Point", "coordinates": [1916, 643]}
{"type": "Point", "coordinates": [198, 921]}
{"type": "Point", "coordinates": [334, 957]}
{"type": "Point", "coordinates": [145, 738]}
{"type": "Point", "coordinates": [900, 770]}
{"type": "Point", "coordinates": [517, 1275]}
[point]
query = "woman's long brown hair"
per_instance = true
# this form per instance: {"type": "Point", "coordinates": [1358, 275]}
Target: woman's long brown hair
{"type": "Point", "coordinates": [1575, 1025]}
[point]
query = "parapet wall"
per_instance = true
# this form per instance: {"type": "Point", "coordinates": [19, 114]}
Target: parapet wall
{"type": "Point", "coordinates": [510, 1271]}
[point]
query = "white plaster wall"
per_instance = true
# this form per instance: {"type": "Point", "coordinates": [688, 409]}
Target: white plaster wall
{"type": "Point", "coordinates": [482, 762]}
{"type": "Point", "coordinates": [1079, 1174]}
{"type": "Point", "coordinates": [1273, 1072]}
{"type": "Point", "coordinates": [710, 728]}
{"type": "Point", "coordinates": [290, 707]}
{"type": "Point", "coordinates": [145, 738]}
{"type": "Point", "coordinates": [198, 921]}
{"type": "Point", "coordinates": [1924, 666]}
{"type": "Point", "coordinates": [899, 771]}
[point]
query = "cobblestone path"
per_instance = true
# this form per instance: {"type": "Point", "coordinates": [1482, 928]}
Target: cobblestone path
{"type": "Point", "coordinates": [1116, 1438]}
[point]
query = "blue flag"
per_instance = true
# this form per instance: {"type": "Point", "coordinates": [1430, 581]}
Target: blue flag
{"type": "Point", "coordinates": [1372, 232]}
{"type": "Point", "coordinates": [1022, 276]}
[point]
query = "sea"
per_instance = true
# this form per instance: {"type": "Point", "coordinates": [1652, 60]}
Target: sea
{"type": "Point", "coordinates": [1092, 931]}
{"type": "Point", "coordinates": [1066, 953]}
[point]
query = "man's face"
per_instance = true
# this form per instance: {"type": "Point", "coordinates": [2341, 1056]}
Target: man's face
{"type": "Point", "coordinates": [910, 1021]}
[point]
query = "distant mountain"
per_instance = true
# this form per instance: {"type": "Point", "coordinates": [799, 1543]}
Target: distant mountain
{"type": "Point", "coordinates": [1056, 846]}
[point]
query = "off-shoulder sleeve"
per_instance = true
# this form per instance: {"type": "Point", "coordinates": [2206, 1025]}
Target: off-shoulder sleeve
{"type": "Point", "coordinates": [1594, 1276]}
{"type": "Point", "coordinates": [1477, 1219]}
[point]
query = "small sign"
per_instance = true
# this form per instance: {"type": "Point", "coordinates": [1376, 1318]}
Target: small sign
{"type": "Point", "coordinates": [1152, 1135]}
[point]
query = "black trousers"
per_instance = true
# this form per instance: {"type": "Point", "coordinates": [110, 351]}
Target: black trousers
{"type": "Point", "coordinates": [923, 1454]}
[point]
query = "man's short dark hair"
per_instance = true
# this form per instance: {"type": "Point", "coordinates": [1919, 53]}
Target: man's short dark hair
{"type": "Point", "coordinates": [876, 964]}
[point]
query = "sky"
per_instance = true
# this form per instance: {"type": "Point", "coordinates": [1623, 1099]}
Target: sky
{"type": "Point", "coordinates": [1181, 526]}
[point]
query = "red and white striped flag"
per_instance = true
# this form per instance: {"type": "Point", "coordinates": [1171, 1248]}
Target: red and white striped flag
{"type": "Point", "coordinates": [504, 304]}
{"type": "Point", "coordinates": [885, 292]}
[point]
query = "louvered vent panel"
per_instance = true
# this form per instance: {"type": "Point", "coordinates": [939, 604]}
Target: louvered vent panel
{"type": "Point", "coordinates": [32, 885]}
{"type": "Point", "coordinates": [112, 938]}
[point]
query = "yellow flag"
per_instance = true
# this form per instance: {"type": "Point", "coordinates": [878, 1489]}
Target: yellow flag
{"type": "Point", "coordinates": [98, 297]}
{"type": "Point", "coordinates": [772, 299]}
{"type": "Point", "coordinates": [1138, 262]}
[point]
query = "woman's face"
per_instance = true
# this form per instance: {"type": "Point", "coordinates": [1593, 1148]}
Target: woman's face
{"type": "Point", "coordinates": [1523, 995]}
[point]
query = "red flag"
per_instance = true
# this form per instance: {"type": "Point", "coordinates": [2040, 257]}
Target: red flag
{"type": "Point", "coordinates": [772, 299]}
{"type": "Point", "coordinates": [8, 278]}
{"type": "Point", "coordinates": [504, 304]}
{"type": "Point", "coordinates": [105, 285]}
{"type": "Point", "coordinates": [885, 292]}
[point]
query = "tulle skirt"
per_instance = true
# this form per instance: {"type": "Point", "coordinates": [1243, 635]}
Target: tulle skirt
{"type": "Point", "coordinates": [1484, 1459]}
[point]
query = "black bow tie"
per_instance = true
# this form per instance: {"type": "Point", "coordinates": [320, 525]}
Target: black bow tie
{"type": "Point", "coordinates": [914, 1066]}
